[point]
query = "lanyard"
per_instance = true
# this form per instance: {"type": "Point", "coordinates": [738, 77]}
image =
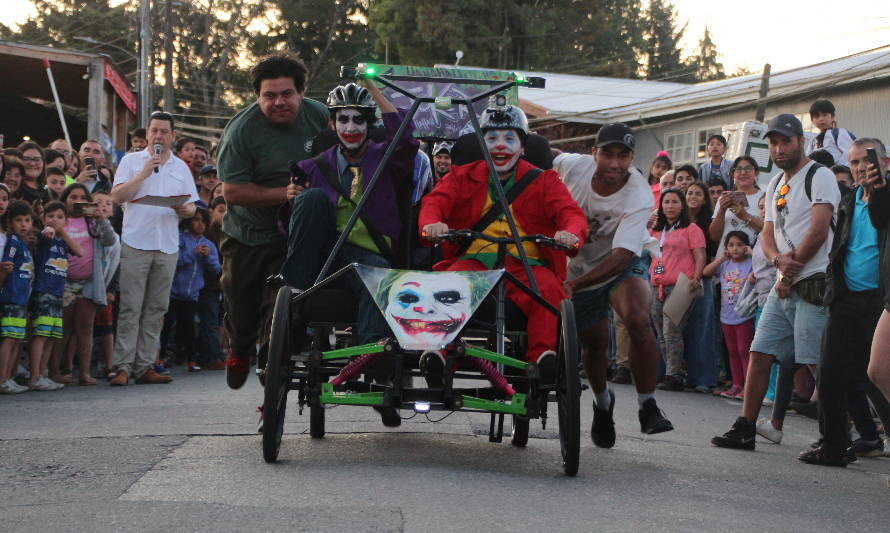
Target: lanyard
{"type": "Point", "coordinates": [664, 234]}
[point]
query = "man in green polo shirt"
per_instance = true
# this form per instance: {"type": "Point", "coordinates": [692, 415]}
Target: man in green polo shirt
{"type": "Point", "coordinates": [254, 155]}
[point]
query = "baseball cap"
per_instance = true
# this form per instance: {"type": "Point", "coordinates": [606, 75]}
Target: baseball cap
{"type": "Point", "coordinates": [615, 133]}
{"type": "Point", "coordinates": [206, 169]}
{"type": "Point", "coordinates": [785, 124]}
{"type": "Point", "coordinates": [443, 145]}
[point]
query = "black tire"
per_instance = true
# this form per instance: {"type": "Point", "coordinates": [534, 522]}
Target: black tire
{"type": "Point", "coordinates": [520, 431]}
{"type": "Point", "coordinates": [568, 391]}
{"type": "Point", "coordinates": [278, 377]}
{"type": "Point", "coordinates": [316, 421]}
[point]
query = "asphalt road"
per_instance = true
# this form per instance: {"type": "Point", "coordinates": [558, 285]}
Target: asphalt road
{"type": "Point", "coordinates": [184, 457]}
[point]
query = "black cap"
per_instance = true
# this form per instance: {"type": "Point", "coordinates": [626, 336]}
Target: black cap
{"type": "Point", "coordinates": [785, 124]}
{"type": "Point", "coordinates": [615, 133]}
{"type": "Point", "coordinates": [206, 169]}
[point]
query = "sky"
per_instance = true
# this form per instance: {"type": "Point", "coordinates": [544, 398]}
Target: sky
{"type": "Point", "coordinates": [784, 33]}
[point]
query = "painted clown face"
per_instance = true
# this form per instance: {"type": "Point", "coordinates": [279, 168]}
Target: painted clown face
{"type": "Point", "coordinates": [352, 128]}
{"type": "Point", "coordinates": [430, 309]}
{"type": "Point", "coordinates": [505, 148]}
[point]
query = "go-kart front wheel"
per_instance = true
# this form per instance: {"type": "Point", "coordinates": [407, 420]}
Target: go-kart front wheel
{"type": "Point", "coordinates": [278, 377]}
{"type": "Point", "coordinates": [568, 391]}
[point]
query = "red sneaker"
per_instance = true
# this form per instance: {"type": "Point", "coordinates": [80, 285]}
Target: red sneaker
{"type": "Point", "coordinates": [236, 370]}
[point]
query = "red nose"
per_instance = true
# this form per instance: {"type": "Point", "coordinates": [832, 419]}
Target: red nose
{"type": "Point", "coordinates": [417, 309]}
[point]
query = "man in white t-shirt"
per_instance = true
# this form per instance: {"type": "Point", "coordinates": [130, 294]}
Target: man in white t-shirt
{"type": "Point", "coordinates": [150, 248]}
{"type": "Point", "coordinates": [797, 236]}
{"type": "Point", "coordinates": [608, 271]}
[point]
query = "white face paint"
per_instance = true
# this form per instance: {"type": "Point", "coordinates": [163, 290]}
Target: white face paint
{"type": "Point", "coordinates": [505, 148]}
{"type": "Point", "coordinates": [352, 128]}
{"type": "Point", "coordinates": [429, 308]}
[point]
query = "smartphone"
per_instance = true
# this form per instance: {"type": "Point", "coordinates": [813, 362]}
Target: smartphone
{"type": "Point", "coordinates": [871, 155]}
{"type": "Point", "coordinates": [297, 175]}
{"type": "Point", "coordinates": [90, 163]}
{"type": "Point", "coordinates": [740, 198]}
{"type": "Point", "coordinates": [84, 208]}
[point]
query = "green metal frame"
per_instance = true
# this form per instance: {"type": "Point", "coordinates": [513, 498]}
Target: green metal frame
{"type": "Point", "coordinates": [516, 406]}
{"type": "Point", "coordinates": [495, 357]}
{"type": "Point", "coordinates": [353, 351]}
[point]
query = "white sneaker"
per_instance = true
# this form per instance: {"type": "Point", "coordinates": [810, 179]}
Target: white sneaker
{"type": "Point", "coordinates": [54, 384]}
{"type": "Point", "coordinates": [766, 430]}
{"type": "Point", "coordinates": [767, 402]}
{"type": "Point", "coordinates": [6, 387]}
{"type": "Point", "coordinates": [886, 446]}
{"type": "Point", "coordinates": [22, 372]}
{"type": "Point", "coordinates": [41, 385]}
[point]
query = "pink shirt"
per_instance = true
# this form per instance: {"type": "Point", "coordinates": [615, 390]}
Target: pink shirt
{"type": "Point", "coordinates": [676, 254]}
{"type": "Point", "coordinates": [80, 268]}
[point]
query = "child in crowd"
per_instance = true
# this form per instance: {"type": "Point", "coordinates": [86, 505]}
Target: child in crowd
{"type": "Point", "coordinates": [51, 260]}
{"type": "Point", "coordinates": [16, 273]}
{"type": "Point", "coordinates": [85, 286]}
{"type": "Point", "coordinates": [210, 353]}
{"type": "Point", "coordinates": [717, 167]}
{"type": "Point", "coordinates": [103, 327]}
{"type": "Point", "coordinates": [682, 247]}
{"type": "Point", "coordinates": [733, 267]}
{"type": "Point", "coordinates": [13, 170]}
{"type": "Point", "coordinates": [55, 182]}
{"type": "Point", "coordinates": [716, 188]}
{"type": "Point", "coordinates": [660, 165]}
{"type": "Point", "coordinates": [685, 176]}
{"type": "Point", "coordinates": [197, 256]}
{"type": "Point", "coordinates": [836, 141]}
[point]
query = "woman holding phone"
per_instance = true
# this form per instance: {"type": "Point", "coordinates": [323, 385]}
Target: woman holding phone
{"type": "Point", "coordinates": [737, 210]}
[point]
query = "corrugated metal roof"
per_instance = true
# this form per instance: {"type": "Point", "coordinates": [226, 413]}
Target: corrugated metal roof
{"type": "Point", "coordinates": [599, 100]}
{"type": "Point", "coordinates": [571, 94]}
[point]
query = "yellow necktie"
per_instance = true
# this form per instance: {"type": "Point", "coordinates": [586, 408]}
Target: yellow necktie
{"type": "Point", "coordinates": [356, 190]}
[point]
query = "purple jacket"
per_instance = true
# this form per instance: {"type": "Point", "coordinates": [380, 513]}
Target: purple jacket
{"type": "Point", "coordinates": [381, 206]}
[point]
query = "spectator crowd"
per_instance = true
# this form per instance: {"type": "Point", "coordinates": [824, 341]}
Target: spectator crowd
{"type": "Point", "coordinates": [783, 279]}
{"type": "Point", "coordinates": [62, 237]}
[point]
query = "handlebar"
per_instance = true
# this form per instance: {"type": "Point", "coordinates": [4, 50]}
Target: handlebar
{"type": "Point", "coordinates": [465, 235]}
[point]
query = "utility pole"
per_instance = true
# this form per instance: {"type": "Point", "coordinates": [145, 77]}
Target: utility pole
{"type": "Point", "coordinates": [760, 114]}
{"type": "Point", "coordinates": [168, 57]}
{"type": "Point", "coordinates": [144, 52]}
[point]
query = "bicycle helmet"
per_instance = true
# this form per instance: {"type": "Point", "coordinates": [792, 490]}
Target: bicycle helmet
{"type": "Point", "coordinates": [351, 96]}
{"type": "Point", "coordinates": [501, 116]}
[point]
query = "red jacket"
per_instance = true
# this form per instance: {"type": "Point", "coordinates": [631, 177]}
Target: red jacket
{"type": "Point", "coordinates": [544, 207]}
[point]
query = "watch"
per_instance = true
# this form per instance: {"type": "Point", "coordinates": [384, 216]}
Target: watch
{"type": "Point", "coordinates": [776, 261]}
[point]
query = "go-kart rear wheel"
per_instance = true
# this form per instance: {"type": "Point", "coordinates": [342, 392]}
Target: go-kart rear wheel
{"type": "Point", "coordinates": [520, 431]}
{"type": "Point", "coordinates": [278, 377]}
{"type": "Point", "coordinates": [568, 391]}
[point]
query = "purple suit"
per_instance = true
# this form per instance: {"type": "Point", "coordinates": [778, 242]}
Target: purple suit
{"type": "Point", "coordinates": [381, 206]}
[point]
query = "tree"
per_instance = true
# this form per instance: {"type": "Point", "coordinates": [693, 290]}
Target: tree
{"type": "Point", "coordinates": [663, 58]}
{"type": "Point", "coordinates": [705, 63]}
{"type": "Point", "coordinates": [88, 25]}
{"type": "Point", "coordinates": [324, 33]}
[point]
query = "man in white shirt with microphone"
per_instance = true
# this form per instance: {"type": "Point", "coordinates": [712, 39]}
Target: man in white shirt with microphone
{"type": "Point", "coordinates": [150, 248]}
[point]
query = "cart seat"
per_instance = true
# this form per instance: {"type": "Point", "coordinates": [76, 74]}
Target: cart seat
{"type": "Point", "coordinates": [516, 321]}
{"type": "Point", "coordinates": [330, 306]}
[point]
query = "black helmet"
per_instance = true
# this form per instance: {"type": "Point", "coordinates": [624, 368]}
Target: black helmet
{"type": "Point", "coordinates": [351, 96]}
{"type": "Point", "coordinates": [501, 116]}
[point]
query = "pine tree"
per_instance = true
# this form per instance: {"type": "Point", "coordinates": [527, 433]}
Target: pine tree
{"type": "Point", "coordinates": [663, 58]}
{"type": "Point", "coordinates": [705, 62]}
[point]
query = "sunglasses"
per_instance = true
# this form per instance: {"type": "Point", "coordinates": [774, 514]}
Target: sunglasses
{"type": "Point", "coordinates": [781, 203]}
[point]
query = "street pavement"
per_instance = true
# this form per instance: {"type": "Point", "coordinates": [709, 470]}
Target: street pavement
{"type": "Point", "coordinates": [185, 457]}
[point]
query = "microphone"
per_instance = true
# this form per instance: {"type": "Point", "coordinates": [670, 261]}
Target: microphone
{"type": "Point", "coordinates": [158, 149]}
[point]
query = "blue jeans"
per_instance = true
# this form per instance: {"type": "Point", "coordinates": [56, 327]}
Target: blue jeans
{"type": "Point", "coordinates": [701, 345]}
{"type": "Point", "coordinates": [209, 348]}
{"type": "Point", "coordinates": [311, 237]}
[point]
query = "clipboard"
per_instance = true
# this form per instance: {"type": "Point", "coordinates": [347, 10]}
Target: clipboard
{"type": "Point", "coordinates": [680, 300]}
{"type": "Point", "coordinates": [161, 201]}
